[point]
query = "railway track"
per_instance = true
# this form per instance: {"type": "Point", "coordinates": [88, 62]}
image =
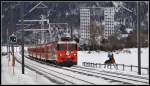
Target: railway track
{"type": "Point", "coordinates": [139, 77]}
{"type": "Point", "coordinates": [110, 76]}
{"type": "Point", "coordinates": [53, 80]}
{"type": "Point", "coordinates": [58, 77]}
{"type": "Point", "coordinates": [116, 76]}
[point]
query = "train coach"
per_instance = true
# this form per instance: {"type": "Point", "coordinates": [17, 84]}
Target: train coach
{"type": "Point", "coordinates": [62, 53]}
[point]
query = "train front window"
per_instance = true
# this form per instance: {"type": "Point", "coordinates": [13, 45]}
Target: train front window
{"type": "Point", "coordinates": [72, 47]}
{"type": "Point", "coordinates": [60, 47]}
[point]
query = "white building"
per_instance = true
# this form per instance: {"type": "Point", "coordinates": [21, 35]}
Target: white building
{"type": "Point", "coordinates": [109, 21]}
{"type": "Point", "coordinates": [84, 26]}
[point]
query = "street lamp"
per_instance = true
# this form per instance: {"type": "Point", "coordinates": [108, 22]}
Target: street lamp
{"type": "Point", "coordinates": [138, 34]}
{"type": "Point", "coordinates": [138, 38]}
{"type": "Point", "coordinates": [22, 43]}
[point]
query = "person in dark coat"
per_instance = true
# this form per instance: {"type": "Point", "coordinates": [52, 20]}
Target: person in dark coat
{"type": "Point", "coordinates": [110, 56]}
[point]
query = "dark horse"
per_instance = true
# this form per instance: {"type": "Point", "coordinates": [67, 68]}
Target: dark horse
{"type": "Point", "coordinates": [109, 62]}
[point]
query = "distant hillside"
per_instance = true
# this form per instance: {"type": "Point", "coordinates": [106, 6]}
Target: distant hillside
{"type": "Point", "coordinates": [57, 12]}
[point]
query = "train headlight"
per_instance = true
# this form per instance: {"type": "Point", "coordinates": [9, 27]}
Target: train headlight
{"type": "Point", "coordinates": [67, 53]}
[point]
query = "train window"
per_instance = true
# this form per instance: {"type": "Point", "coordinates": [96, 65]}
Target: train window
{"type": "Point", "coordinates": [60, 47]}
{"type": "Point", "coordinates": [72, 47]}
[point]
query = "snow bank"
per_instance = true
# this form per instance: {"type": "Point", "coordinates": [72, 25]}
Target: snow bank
{"type": "Point", "coordinates": [10, 78]}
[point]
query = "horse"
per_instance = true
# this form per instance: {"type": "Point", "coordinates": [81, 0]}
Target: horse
{"type": "Point", "coordinates": [110, 61]}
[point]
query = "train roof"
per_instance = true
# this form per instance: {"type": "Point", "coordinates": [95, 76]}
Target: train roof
{"type": "Point", "coordinates": [68, 42]}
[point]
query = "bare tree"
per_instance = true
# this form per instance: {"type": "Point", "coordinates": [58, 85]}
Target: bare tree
{"type": "Point", "coordinates": [95, 32]}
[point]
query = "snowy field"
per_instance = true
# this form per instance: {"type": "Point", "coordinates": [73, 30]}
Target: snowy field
{"type": "Point", "coordinates": [17, 78]}
{"type": "Point", "coordinates": [120, 58]}
{"type": "Point", "coordinates": [32, 77]}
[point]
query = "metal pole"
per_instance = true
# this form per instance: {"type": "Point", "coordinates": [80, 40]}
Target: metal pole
{"type": "Point", "coordinates": [138, 38]}
{"type": "Point", "coordinates": [7, 40]}
{"type": "Point", "coordinates": [8, 51]}
{"type": "Point", "coordinates": [22, 16]}
{"type": "Point", "coordinates": [13, 57]}
{"type": "Point", "coordinates": [71, 32]}
{"type": "Point", "coordinates": [42, 27]}
{"type": "Point", "coordinates": [148, 36]}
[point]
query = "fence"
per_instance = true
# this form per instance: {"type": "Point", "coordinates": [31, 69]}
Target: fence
{"type": "Point", "coordinates": [123, 67]}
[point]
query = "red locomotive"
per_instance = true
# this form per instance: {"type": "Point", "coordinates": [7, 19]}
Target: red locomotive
{"type": "Point", "coordinates": [61, 52]}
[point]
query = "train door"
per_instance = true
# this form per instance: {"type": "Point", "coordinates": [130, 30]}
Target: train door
{"type": "Point", "coordinates": [53, 52]}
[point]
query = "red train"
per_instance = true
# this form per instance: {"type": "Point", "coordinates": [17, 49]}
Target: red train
{"type": "Point", "coordinates": [62, 52]}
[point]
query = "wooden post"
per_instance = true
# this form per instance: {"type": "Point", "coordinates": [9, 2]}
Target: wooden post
{"type": "Point", "coordinates": [91, 64]}
{"type": "Point", "coordinates": [110, 66]}
{"type": "Point", "coordinates": [84, 64]}
{"type": "Point", "coordinates": [117, 66]}
{"type": "Point", "coordinates": [96, 65]}
{"type": "Point", "coordinates": [131, 67]}
{"type": "Point", "coordinates": [123, 67]}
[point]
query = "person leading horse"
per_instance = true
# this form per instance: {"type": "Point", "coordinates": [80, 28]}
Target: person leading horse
{"type": "Point", "coordinates": [111, 60]}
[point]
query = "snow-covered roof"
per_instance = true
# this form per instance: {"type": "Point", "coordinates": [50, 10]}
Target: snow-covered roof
{"type": "Point", "coordinates": [124, 35]}
{"type": "Point", "coordinates": [129, 30]}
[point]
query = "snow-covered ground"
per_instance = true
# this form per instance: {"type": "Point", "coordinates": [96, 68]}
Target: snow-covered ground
{"type": "Point", "coordinates": [120, 57]}
{"type": "Point", "coordinates": [31, 77]}
{"type": "Point", "coordinates": [66, 72]}
{"type": "Point", "coordinates": [10, 78]}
